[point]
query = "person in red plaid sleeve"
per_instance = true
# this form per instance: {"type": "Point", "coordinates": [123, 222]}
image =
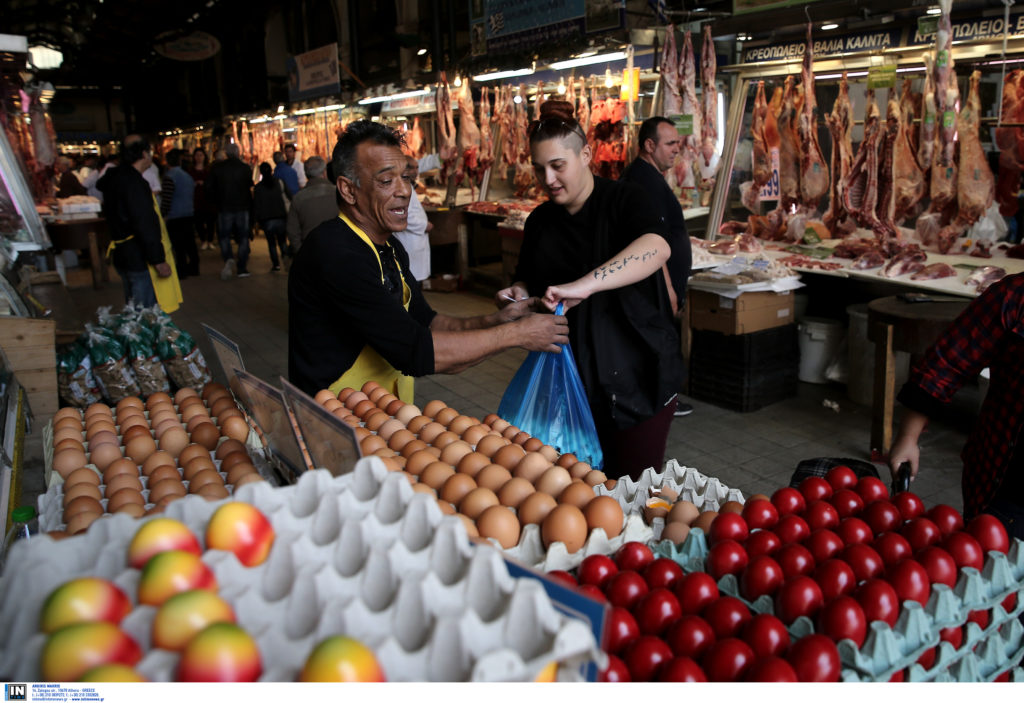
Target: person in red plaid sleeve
{"type": "Point", "coordinates": [989, 332]}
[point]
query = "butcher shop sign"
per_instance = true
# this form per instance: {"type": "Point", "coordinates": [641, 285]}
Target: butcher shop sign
{"type": "Point", "coordinates": [314, 74]}
{"type": "Point", "coordinates": [506, 26]}
{"type": "Point", "coordinates": [832, 46]}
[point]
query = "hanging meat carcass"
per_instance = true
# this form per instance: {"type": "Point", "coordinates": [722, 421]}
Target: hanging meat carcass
{"type": "Point", "coordinates": [445, 128]}
{"type": "Point", "coordinates": [468, 137]}
{"type": "Point", "coordinates": [682, 169]}
{"type": "Point", "coordinates": [486, 157]}
{"type": "Point", "coordinates": [538, 100]}
{"type": "Point", "coordinates": [414, 139]}
{"type": "Point", "coordinates": [670, 73]}
{"type": "Point", "coordinates": [908, 178]}
{"type": "Point", "coordinates": [708, 162]}
{"type": "Point", "coordinates": [522, 178]}
{"type": "Point", "coordinates": [840, 126]}
{"type": "Point", "coordinates": [761, 166]}
{"type": "Point", "coordinates": [860, 191]}
{"type": "Point", "coordinates": [789, 149]}
{"type": "Point", "coordinates": [928, 130]}
{"type": "Point", "coordinates": [1010, 141]}
{"type": "Point", "coordinates": [583, 108]}
{"type": "Point", "coordinates": [885, 207]}
{"type": "Point", "coordinates": [813, 171]}
{"type": "Point", "coordinates": [947, 94]}
{"type": "Point", "coordinates": [975, 187]}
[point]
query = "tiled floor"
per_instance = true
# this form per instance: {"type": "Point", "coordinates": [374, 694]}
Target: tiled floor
{"type": "Point", "coordinates": [755, 452]}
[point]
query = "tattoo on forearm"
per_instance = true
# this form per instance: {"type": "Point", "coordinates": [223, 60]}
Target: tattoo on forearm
{"type": "Point", "coordinates": [604, 270]}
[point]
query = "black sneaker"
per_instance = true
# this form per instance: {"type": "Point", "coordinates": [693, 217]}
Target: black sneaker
{"type": "Point", "coordinates": [275, 268]}
{"type": "Point", "coordinates": [683, 409]}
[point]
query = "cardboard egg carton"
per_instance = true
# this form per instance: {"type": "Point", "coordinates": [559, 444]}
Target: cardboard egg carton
{"type": "Point", "coordinates": [706, 492]}
{"type": "Point", "coordinates": [361, 555]}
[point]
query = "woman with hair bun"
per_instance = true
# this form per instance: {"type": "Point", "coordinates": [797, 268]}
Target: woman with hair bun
{"type": "Point", "coordinates": [598, 247]}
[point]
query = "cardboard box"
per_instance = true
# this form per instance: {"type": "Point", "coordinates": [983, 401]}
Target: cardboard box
{"type": "Point", "coordinates": [751, 312]}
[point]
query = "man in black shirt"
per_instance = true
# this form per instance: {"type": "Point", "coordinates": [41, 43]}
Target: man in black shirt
{"type": "Point", "coordinates": [659, 145]}
{"type": "Point", "coordinates": [356, 314]}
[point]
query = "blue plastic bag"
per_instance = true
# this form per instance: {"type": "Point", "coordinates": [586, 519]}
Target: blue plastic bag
{"type": "Point", "coordinates": [546, 399]}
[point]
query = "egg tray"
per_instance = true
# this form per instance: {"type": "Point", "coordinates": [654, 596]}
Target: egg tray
{"type": "Point", "coordinates": [706, 492]}
{"type": "Point", "coordinates": [361, 555]}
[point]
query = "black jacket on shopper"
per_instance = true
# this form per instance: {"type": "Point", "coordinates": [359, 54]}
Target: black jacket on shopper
{"type": "Point", "coordinates": [130, 212]}
{"type": "Point", "coordinates": [230, 184]}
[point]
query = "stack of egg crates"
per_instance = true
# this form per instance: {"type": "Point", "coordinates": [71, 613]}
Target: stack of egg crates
{"type": "Point", "coordinates": [361, 555]}
{"type": "Point", "coordinates": [984, 654]}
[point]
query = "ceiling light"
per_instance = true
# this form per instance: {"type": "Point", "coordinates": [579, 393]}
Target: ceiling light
{"type": "Point", "coordinates": [561, 86]}
{"type": "Point", "coordinates": [280, 108]}
{"type": "Point", "coordinates": [396, 96]}
{"type": "Point", "coordinates": [45, 58]}
{"type": "Point", "coordinates": [458, 81]}
{"type": "Point", "coordinates": [421, 52]}
{"type": "Point", "coordinates": [327, 108]}
{"type": "Point", "coordinates": [307, 111]}
{"type": "Point", "coordinates": [608, 83]}
{"type": "Point", "coordinates": [830, 25]}
{"type": "Point", "coordinates": [498, 75]}
{"type": "Point", "coordinates": [588, 60]}
{"type": "Point", "coordinates": [933, 11]}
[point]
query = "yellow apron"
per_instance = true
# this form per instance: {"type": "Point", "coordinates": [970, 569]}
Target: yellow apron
{"type": "Point", "coordinates": [167, 290]}
{"type": "Point", "coordinates": [369, 365]}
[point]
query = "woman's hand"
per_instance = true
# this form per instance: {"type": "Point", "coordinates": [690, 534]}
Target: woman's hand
{"type": "Point", "coordinates": [904, 449]}
{"type": "Point", "coordinates": [569, 294]}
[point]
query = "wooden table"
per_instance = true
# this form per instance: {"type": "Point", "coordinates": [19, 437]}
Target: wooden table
{"type": "Point", "coordinates": [91, 234]}
{"type": "Point", "coordinates": [896, 325]}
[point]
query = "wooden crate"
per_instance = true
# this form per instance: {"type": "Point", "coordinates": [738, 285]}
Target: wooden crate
{"type": "Point", "coordinates": [29, 345]}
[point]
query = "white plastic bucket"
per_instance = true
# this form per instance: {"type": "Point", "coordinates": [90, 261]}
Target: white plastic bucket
{"type": "Point", "coordinates": [819, 342]}
{"type": "Point", "coordinates": [860, 367]}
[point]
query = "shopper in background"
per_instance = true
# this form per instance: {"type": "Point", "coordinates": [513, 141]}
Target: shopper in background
{"type": "Point", "coordinates": [355, 313]}
{"type": "Point", "coordinates": [289, 155]}
{"type": "Point", "coordinates": [598, 246]}
{"type": "Point", "coordinates": [415, 237]}
{"type": "Point", "coordinates": [96, 174]}
{"type": "Point", "coordinates": [152, 176]}
{"type": "Point", "coordinates": [177, 193]}
{"type": "Point", "coordinates": [205, 213]}
{"type": "Point", "coordinates": [134, 223]}
{"type": "Point", "coordinates": [659, 146]}
{"type": "Point", "coordinates": [269, 205]}
{"type": "Point", "coordinates": [286, 174]}
{"type": "Point", "coordinates": [989, 333]}
{"type": "Point", "coordinates": [67, 182]}
{"type": "Point", "coordinates": [315, 203]}
{"type": "Point", "coordinates": [230, 184]}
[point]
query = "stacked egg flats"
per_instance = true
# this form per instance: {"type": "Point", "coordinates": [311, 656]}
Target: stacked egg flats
{"type": "Point", "coordinates": [495, 477]}
{"type": "Point", "coordinates": [139, 456]}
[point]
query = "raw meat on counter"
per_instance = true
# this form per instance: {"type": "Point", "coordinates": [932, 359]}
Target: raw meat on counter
{"type": "Point", "coordinates": [813, 171]}
{"type": "Point", "coordinates": [985, 276]}
{"type": "Point", "coordinates": [803, 261]}
{"type": "Point", "coordinates": [910, 260]}
{"type": "Point", "coordinates": [871, 259]}
{"type": "Point", "coordinates": [853, 246]}
{"type": "Point", "coordinates": [934, 271]}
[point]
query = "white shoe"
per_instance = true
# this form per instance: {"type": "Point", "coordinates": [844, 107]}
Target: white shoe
{"type": "Point", "coordinates": [228, 271]}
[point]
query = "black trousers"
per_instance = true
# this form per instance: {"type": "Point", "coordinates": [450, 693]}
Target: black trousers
{"type": "Point", "coordinates": [183, 239]}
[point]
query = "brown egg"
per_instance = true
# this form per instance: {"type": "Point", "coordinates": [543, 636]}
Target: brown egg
{"type": "Point", "coordinates": [131, 421]}
{"type": "Point", "coordinates": [490, 444]}
{"type": "Point", "coordinates": [134, 431]}
{"type": "Point", "coordinates": [82, 504]}
{"type": "Point", "coordinates": [104, 455]}
{"type": "Point", "coordinates": [400, 438]}
{"type": "Point", "coordinates": [474, 433]}
{"type": "Point", "coordinates": [191, 452]}
{"type": "Point", "coordinates": [416, 462]}
{"type": "Point", "coordinates": [83, 474]}
{"type": "Point", "coordinates": [445, 416]}
{"type": "Point", "coordinates": [375, 394]}
{"type": "Point", "coordinates": [704, 520]}
{"type": "Point", "coordinates": [566, 461]}
{"type": "Point", "coordinates": [417, 423]}
{"type": "Point", "coordinates": [565, 524]}
{"type": "Point", "coordinates": [456, 487]}
{"type": "Point", "coordinates": [247, 479]}
{"type": "Point", "coordinates": [104, 437]}
{"type": "Point", "coordinates": [203, 478]}
{"type": "Point", "coordinates": [366, 388]}
{"type": "Point", "coordinates": [731, 506]}
{"type": "Point", "coordinates": [577, 493]}
{"type": "Point", "coordinates": [508, 456]}
{"type": "Point", "coordinates": [446, 507]}
{"type": "Point", "coordinates": [228, 446]}
{"type": "Point", "coordinates": [140, 448]}
{"type": "Point", "coordinates": [394, 463]}
{"type": "Point", "coordinates": [515, 491]}
{"type": "Point", "coordinates": [238, 471]}
{"type": "Point", "coordinates": [361, 433]}
{"type": "Point", "coordinates": [196, 420]}
{"type": "Point", "coordinates": [65, 413]}
{"type": "Point", "coordinates": [595, 477]}
{"type": "Point", "coordinates": [157, 458]}
{"type": "Point", "coordinates": [535, 507]}
{"type": "Point", "coordinates": [351, 420]}
{"type": "Point", "coordinates": [553, 481]}
{"type": "Point", "coordinates": [323, 395]}
{"type": "Point", "coordinates": [376, 419]}
{"type": "Point", "coordinates": [196, 464]}
{"type": "Point", "coordinates": [205, 434]}
{"type": "Point", "coordinates": [174, 441]}
{"type": "Point", "coordinates": [363, 407]}
{"type": "Point", "coordinates": [436, 474]}
{"type": "Point", "coordinates": [163, 415]}
{"type": "Point", "coordinates": [372, 443]}
{"type": "Point", "coordinates": [683, 511]}
{"type": "Point", "coordinates": [477, 501]}
{"type": "Point", "coordinates": [604, 512]}
{"type": "Point", "coordinates": [532, 444]}
{"type": "Point", "coordinates": [78, 490]}
{"type": "Point", "coordinates": [510, 432]}
{"type": "Point", "coordinates": [469, 525]}
{"type": "Point", "coordinates": [213, 491]}
{"type": "Point", "coordinates": [499, 523]}
{"type": "Point", "coordinates": [73, 422]}
{"type": "Point", "coordinates": [531, 467]}
{"type": "Point", "coordinates": [407, 413]}
{"type": "Point", "coordinates": [453, 453]}
{"type": "Point", "coordinates": [522, 438]}
{"type": "Point", "coordinates": [184, 394]}
{"type": "Point", "coordinates": [389, 428]}
{"type": "Point", "coordinates": [655, 507]}
{"type": "Point", "coordinates": [67, 433]}
{"type": "Point", "coordinates": [123, 497]}
{"type": "Point", "coordinates": [353, 399]}
{"type": "Point", "coordinates": [235, 428]}
{"type": "Point", "coordinates": [101, 409]}
{"type": "Point", "coordinates": [393, 407]}
{"type": "Point", "coordinates": [81, 522]}
{"type": "Point", "coordinates": [416, 445]}
{"type": "Point", "coordinates": [158, 398]}
{"type": "Point", "coordinates": [197, 410]}
{"type": "Point", "coordinates": [548, 452]}
{"type": "Point", "coordinates": [164, 488]}
{"type": "Point", "coordinates": [424, 489]}
{"type": "Point", "coordinates": [472, 463]}
{"type": "Point", "coordinates": [676, 532]}
{"type": "Point", "coordinates": [433, 408]}
{"type": "Point", "coordinates": [120, 481]}
{"type": "Point", "coordinates": [212, 388]}
{"type": "Point", "coordinates": [133, 509]}
{"type": "Point", "coordinates": [493, 476]}
{"type": "Point", "coordinates": [429, 432]}
{"type": "Point", "coordinates": [499, 425]}
{"type": "Point", "coordinates": [68, 443]}
{"type": "Point", "coordinates": [444, 439]}
{"type": "Point", "coordinates": [67, 460]}
{"type": "Point", "coordinates": [233, 458]}
{"type": "Point", "coordinates": [97, 427]}
{"type": "Point", "coordinates": [161, 473]}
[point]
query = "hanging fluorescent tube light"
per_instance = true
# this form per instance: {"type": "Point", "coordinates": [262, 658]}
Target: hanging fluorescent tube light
{"type": "Point", "coordinates": [396, 96]}
{"type": "Point", "coordinates": [326, 108]}
{"type": "Point", "coordinates": [498, 75]}
{"type": "Point", "coordinates": [830, 25]}
{"type": "Point", "coordinates": [307, 111]}
{"type": "Point", "coordinates": [587, 60]}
